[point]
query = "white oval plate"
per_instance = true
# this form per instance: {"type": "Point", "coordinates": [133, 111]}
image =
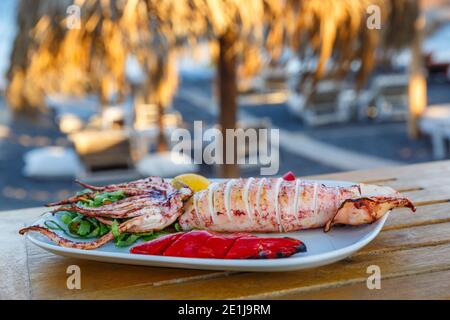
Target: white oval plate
{"type": "Point", "coordinates": [322, 248]}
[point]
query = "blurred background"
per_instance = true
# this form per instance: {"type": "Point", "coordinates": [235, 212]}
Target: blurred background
{"type": "Point", "coordinates": [93, 89]}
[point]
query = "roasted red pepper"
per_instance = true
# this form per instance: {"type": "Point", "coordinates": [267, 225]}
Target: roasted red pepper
{"type": "Point", "coordinates": [289, 176]}
{"type": "Point", "coordinates": [205, 244]}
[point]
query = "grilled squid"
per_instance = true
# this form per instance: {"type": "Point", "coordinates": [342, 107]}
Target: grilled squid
{"type": "Point", "coordinates": [236, 205]}
{"type": "Point", "coordinates": [277, 205]}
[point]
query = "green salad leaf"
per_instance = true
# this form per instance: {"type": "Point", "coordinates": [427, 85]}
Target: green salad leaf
{"type": "Point", "coordinates": [115, 229]}
{"type": "Point", "coordinates": [84, 228]}
{"type": "Point", "coordinates": [126, 239]}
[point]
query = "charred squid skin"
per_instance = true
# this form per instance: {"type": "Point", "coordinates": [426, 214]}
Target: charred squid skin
{"type": "Point", "coordinates": [89, 186]}
{"type": "Point", "coordinates": [70, 200]}
{"type": "Point", "coordinates": [371, 208]}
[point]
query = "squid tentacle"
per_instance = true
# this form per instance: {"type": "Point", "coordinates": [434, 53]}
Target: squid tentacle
{"type": "Point", "coordinates": [120, 207]}
{"type": "Point", "coordinates": [89, 212]}
{"type": "Point", "coordinates": [89, 186]}
{"type": "Point", "coordinates": [68, 243]}
{"type": "Point", "coordinates": [104, 221]}
{"type": "Point", "coordinates": [129, 192]}
{"type": "Point", "coordinates": [148, 210]}
{"type": "Point", "coordinates": [71, 199]}
{"type": "Point", "coordinates": [142, 183]}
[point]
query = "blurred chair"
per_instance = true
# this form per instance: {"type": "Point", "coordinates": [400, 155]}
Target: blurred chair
{"type": "Point", "coordinates": [436, 123]}
{"type": "Point", "coordinates": [330, 102]}
{"type": "Point", "coordinates": [108, 148]}
{"type": "Point", "coordinates": [386, 99]}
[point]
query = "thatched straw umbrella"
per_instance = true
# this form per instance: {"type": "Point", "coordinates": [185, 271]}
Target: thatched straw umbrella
{"type": "Point", "coordinates": [48, 57]}
{"type": "Point", "coordinates": [240, 30]}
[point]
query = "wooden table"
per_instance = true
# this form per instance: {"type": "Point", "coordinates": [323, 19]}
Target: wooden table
{"type": "Point", "coordinates": [412, 251]}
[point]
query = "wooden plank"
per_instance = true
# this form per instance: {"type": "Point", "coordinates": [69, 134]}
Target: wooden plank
{"type": "Point", "coordinates": [415, 182]}
{"type": "Point", "coordinates": [421, 286]}
{"type": "Point", "coordinates": [100, 276]}
{"type": "Point", "coordinates": [14, 283]}
{"type": "Point", "coordinates": [430, 195]}
{"type": "Point", "coordinates": [263, 285]}
{"type": "Point", "coordinates": [407, 238]}
{"type": "Point", "coordinates": [428, 214]}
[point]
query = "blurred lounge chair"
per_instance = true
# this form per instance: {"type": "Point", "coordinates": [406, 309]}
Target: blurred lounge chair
{"type": "Point", "coordinates": [435, 122]}
{"type": "Point", "coordinates": [108, 148]}
{"type": "Point", "coordinates": [387, 98]}
{"type": "Point", "coordinates": [331, 102]}
{"type": "Point", "coordinates": [274, 76]}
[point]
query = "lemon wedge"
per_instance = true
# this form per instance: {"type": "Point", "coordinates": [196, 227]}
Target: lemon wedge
{"type": "Point", "coordinates": [194, 181]}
